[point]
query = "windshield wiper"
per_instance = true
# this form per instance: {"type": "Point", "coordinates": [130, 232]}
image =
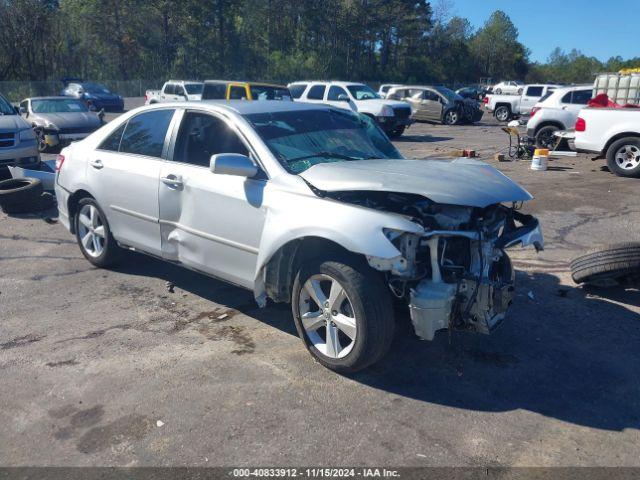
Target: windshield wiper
{"type": "Point", "coordinates": [328, 155]}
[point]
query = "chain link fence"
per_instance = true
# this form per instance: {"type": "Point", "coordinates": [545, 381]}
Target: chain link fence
{"type": "Point", "coordinates": [18, 90]}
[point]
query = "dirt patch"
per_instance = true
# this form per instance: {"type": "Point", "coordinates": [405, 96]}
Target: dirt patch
{"type": "Point", "coordinates": [63, 363]}
{"type": "Point", "coordinates": [126, 429]}
{"type": "Point", "coordinates": [237, 335]}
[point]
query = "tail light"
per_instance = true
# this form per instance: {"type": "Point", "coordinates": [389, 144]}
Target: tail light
{"type": "Point", "coordinates": [485, 100]}
{"type": "Point", "coordinates": [533, 111]}
{"type": "Point", "coordinates": [145, 97]}
{"type": "Point", "coordinates": [581, 125]}
{"type": "Point", "coordinates": [59, 162]}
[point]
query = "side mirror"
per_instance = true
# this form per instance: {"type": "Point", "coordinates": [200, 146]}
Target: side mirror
{"type": "Point", "coordinates": [233, 164]}
{"type": "Point", "coordinates": [343, 98]}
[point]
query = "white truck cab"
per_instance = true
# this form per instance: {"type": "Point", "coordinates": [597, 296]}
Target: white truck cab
{"type": "Point", "coordinates": [175, 91]}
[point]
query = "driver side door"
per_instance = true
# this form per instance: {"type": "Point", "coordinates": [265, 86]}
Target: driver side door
{"type": "Point", "coordinates": [210, 222]}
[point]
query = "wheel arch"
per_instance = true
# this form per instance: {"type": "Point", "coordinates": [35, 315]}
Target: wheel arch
{"type": "Point", "coordinates": [548, 123]}
{"type": "Point", "coordinates": [617, 137]}
{"type": "Point", "coordinates": [72, 206]}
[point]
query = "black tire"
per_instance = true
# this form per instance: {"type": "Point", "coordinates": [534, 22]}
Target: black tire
{"type": "Point", "coordinates": [610, 265]}
{"type": "Point", "coordinates": [111, 252]}
{"type": "Point", "coordinates": [502, 113]}
{"type": "Point", "coordinates": [451, 117]}
{"type": "Point", "coordinates": [545, 138]}
{"type": "Point", "coordinates": [498, 91]}
{"type": "Point", "coordinates": [626, 147]}
{"type": "Point", "coordinates": [519, 91]}
{"type": "Point", "coordinates": [19, 190]}
{"type": "Point", "coordinates": [371, 302]}
{"type": "Point", "coordinates": [397, 132]}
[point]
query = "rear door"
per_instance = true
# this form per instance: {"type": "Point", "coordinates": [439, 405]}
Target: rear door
{"type": "Point", "coordinates": [210, 222]}
{"type": "Point", "coordinates": [123, 175]}
{"type": "Point", "coordinates": [530, 97]}
{"type": "Point", "coordinates": [430, 106]}
{"type": "Point", "coordinates": [316, 93]}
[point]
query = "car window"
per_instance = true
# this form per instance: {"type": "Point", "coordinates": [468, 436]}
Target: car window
{"type": "Point", "coordinates": [170, 89]}
{"type": "Point", "coordinates": [145, 133]}
{"type": "Point", "coordinates": [24, 105]}
{"type": "Point", "coordinates": [268, 92]}
{"type": "Point", "coordinates": [581, 97]}
{"type": "Point", "coordinates": [237, 93]}
{"type": "Point", "coordinates": [534, 91]}
{"type": "Point", "coordinates": [202, 135]}
{"type": "Point", "coordinates": [429, 95]}
{"type": "Point", "coordinates": [179, 90]}
{"type": "Point", "coordinates": [112, 142]}
{"type": "Point", "coordinates": [545, 96]}
{"type": "Point", "coordinates": [214, 91]}
{"type": "Point", "coordinates": [316, 92]}
{"type": "Point", "coordinates": [335, 92]}
{"type": "Point", "coordinates": [297, 90]}
{"type": "Point", "coordinates": [566, 98]}
{"type": "Point", "coordinates": [58, 105]}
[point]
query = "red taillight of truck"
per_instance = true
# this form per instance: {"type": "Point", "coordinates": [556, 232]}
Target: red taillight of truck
{"type": "Point", "coordinates": [581, 125]}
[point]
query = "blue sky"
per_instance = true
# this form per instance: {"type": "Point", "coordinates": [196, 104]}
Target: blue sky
{"type": "Point", "coordinates": [587, 25]}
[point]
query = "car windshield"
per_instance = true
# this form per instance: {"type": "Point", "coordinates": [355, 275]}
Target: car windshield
{"type": "Point", "coordinates": [5, 107]}
{"type": "Point", "coordinates": [301, 139]}
{"type": "Point", "coordinates": [362, 92]}
{"type": "Point", "coordinates": [193, 88]}
{"type": "Point", "coordinates": [449, 94]}
{"type": "Point", "coordinates": [266, 92]}
{"type": "Point", "coordinates": [95, 88]}
{"type": "Point", "coordinates": [58, 105]}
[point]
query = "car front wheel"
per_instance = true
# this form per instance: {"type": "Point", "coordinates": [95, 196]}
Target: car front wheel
{"type": "Point", "coordinates": [342, 311]}
{"type": "Point", "coordinates": [451, 117]}
{"type": "Point", "coordinates": [93, 234]}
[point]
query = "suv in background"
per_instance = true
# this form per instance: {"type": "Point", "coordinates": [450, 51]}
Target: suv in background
{"type": "Point", "coordinates": [384, 88]}
{"type": "Point", "coordinates": [557, 111]}
{"type": "Point", "coordinates": [175, 91]}
{"type": "Point", "coordinates": [18, 145]}
{"type": "Point", "coordinates": [392, 116]}
{"type": "Point", "coordinates": [229, 90]}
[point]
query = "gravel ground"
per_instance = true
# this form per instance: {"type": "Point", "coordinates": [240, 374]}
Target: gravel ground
{"type": "Point", "coordinates": [107, 367]}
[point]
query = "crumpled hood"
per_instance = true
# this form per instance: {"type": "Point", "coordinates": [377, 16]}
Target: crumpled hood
{"type": "Point", "coordinates": [12, 123]}
{"type": "Point", "coordinates": [68, 119]}
{"type": "Point", "coordinates": [458, 182]}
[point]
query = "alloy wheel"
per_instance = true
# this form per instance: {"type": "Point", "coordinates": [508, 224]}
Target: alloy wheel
{"type": "Point", "coordinates": [452, 118]}
{"type": "Point", "coordinates": [628, 157]}
{"type": "Point", "coordinates": [502, 114]}
{"type": "Point", "coordinates": [327, 316]}
{"type": "Point", "coordinates": [91, 230]}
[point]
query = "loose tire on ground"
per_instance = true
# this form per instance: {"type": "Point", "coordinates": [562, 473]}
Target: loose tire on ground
{"type": "Point", "coordinates": [623, 157]}
{"type": "Point", "coordinates": [609, 265]}
{"type": "Point", "coordinates": [365, 294]}
{"type": "Point", "coordinates": [17, 191]}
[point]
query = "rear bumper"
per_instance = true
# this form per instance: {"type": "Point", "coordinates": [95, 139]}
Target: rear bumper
{"type": "Point", "coordinates": [62, 197]}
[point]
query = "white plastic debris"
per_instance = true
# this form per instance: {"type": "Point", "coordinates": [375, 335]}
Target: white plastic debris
{"type": "Point", "coordinates": [530, 295]}
{"type": "Point", "coordinates": [159, 423]}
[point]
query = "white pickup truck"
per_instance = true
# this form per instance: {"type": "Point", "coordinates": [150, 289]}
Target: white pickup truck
{"type": "Point", "coordinates": [506, 107]}
{"type": "Point", "coordinates": [613, 133]}
{"type": "Point", "coordinates": [175, 91]}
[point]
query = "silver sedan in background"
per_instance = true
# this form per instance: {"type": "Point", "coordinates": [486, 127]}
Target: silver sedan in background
{"type": "Point", "coordinates": [57, 121]}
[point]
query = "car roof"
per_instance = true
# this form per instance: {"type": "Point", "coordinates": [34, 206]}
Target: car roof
{"type": "Point", "coordinates": [244, 107]}
{"type": "Point", "coordinates": [328, 82]}
{"type": "Point", "coordinates": [183, 81]}
{"type": "Point", "coordinates": [53, 97]}
{"type": "Point", "coordinates": [235, 82]}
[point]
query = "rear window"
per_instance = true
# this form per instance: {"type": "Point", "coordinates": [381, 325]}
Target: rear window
{"type": "Point", "coordinates": [297, 90]}
{"type": "Point", "coordinates": [581, 97]}
{"type": "Point", "coordinates": [546, 95]}
{"type": "Point", "coordinates": [534, 91]}
{"type": "Point", "coordinates": [316, 92]}
{"type": "Point", "coordinates": [214, 91]}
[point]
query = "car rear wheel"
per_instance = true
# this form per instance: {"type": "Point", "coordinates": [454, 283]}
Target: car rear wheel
{"type": "Point", "coordinates": [498, 91]}
{"type": "Point", "coordinates": [396, 132]}
{"type": "Point", "coordinates": [623, 157]}
{"type": "Point", "coordinates": [503, 113]}
{"type": "Point", "coordinates": [343, 314]}
{"type": "Point", "coordinates": [545, 137]}
{"type": "Point", "coordinates": [93, 234]}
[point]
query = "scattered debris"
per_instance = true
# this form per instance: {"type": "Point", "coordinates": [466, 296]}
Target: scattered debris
{"type": "Point", "coordinates": [530, 295]}
{"type": "Point", "coordinates": [499, 157]}
{"type": "Point", "coordinates": [170, 287]}
{"type": "Point", "coordinates": [608, 266]}
{"type": "Point", "coordinates": [159, 423]}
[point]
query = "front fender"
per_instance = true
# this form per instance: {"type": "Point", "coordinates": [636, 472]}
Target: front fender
{"type": "Point", "coordinates": [292, 216]}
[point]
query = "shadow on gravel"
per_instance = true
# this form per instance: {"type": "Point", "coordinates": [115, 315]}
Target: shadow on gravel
{"type": "Point", "coordinates": [568, 353]}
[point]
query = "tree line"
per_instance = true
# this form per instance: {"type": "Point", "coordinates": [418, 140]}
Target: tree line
{"type": "Point", "coordinates": [280, 40]}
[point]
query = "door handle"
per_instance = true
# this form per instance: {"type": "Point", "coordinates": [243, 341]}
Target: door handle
{"type": "Point", "coordinates": [172, 180]}
{"type": "Point", "coordinates": [97, 164]}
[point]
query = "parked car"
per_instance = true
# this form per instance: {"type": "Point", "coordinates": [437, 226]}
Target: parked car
{"type": "Point", "coordinates": [508, 88]}
{"type": "Point", "coordinates": [473, 93]}
{"type": "Point", "coordinates": [306, 204]}
{"type": "Point", "coordinates": [18, 145]}
{"type": "Point", "coordinates": [94, 95]}
{"type": "Point", "coordinates": [175, 91]}
{"type": "Point", "coordinates": [230, 90]}
{"type": "Point", "coordinates": [384, 88]}
{"type": "Point", "coordinates": [392, 116]}
{"type": "Point", "coordinates": [437, 104]}
{"type": "Point", "coordinates": [57, 121]}
{"type": "Point", "coordinates": [613, 133]}
{"type": "Point", "coordinates": [558, 110]}
{"type": "Point", "coordinates": [507, 107]}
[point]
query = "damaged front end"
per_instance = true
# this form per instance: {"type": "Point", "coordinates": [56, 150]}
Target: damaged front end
{"type": "Point", "coordinates": [455, 274]}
